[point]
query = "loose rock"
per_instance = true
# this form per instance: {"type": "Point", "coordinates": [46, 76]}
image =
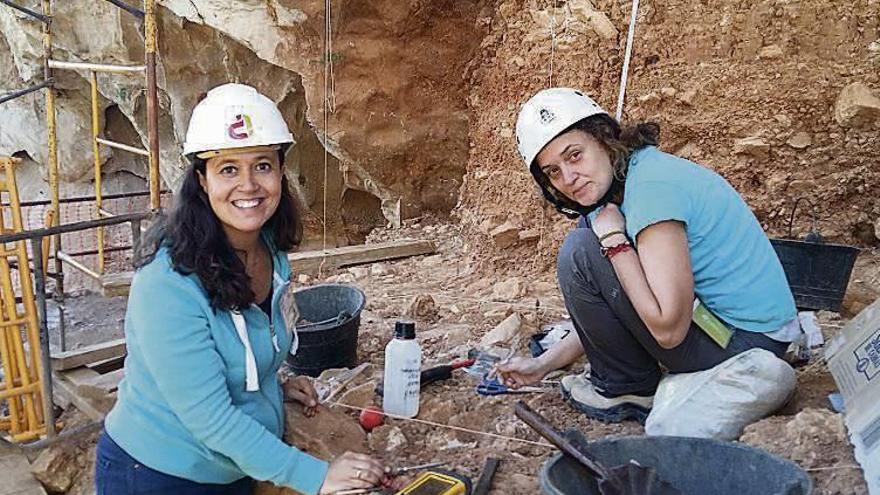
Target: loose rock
{"type": "Point", "coordinates": [857, 106]}
{"type": "Point", "coordinates": [56, 468]}
{"type": "Point", "coordinates": [361, 396]}
{"type": "Point", "coordinates": [509, 289]}
{"type": "Point", "coordinates": [505, 332]}
{"type": "Point", "coordinates": [752, 146]}
{"type": "Point", "coordinates": [584, 11]}
{"type": "Point", "coordinates": [770, 52]}
{"type": "Point", "coordinates": [326, 435]}
{"type": "Point", "coordinates": [422, 307]}
{"type": "Point", "coordinates": [505, 235]}
{"type": "Point", "coordinates": [378, 269]}
{"type": "Point", "coordinates": [800, 140]}
{"type": "Point", "coordinates": [387, 438]}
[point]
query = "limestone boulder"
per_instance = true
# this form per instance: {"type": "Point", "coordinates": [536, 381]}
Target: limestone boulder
{"type": "Point", "coordinates": [857, 106]}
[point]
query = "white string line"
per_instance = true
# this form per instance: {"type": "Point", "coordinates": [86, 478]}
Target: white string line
{"type": "Point", "coordinates": [327, 102]}
{"type": "Point", "coordinates": [629, 44]}
{"type": "Point", "coordinates": [552, 41]}
{"type": "Point", "coordinates": [451, 427]}
{"type": "Point", "coordinates": [479, 300]}
{"type": "Point", "coordinates": [833, 468]}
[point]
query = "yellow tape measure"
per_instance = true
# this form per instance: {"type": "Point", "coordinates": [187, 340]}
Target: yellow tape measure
{"type": "Point", "coordinates": [434, 483]}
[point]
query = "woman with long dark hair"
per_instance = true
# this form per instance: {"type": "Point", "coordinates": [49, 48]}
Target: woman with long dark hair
{"type": "Point", "coordinates": [659, 238]}
{"type": "Point", "coordinates": [200, 408]}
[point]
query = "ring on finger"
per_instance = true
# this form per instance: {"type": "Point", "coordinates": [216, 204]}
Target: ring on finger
{"type": "Point", "coordinates": [357, 474]}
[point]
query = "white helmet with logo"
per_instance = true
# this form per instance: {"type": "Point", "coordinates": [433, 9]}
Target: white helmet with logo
{"type": "Point", "coordinates": [234, 116]}
{"type": "Point", "coordinates": [546, 115]}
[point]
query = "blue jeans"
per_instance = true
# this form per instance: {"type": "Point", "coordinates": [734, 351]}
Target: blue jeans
{"type": "Point", "coordinates": [117, 473]}
{"type": "Point", "coordinates": [624, 357]}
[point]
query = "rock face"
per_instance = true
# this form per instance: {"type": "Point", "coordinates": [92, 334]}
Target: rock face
{"type": "Point", "coordinates": [709, 76]}
{"type": "Point", "coordinates": [394, 122]}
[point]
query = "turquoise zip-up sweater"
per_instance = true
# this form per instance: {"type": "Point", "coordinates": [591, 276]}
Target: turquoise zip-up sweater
{"type": "Point", "coordinates": [187, 406]}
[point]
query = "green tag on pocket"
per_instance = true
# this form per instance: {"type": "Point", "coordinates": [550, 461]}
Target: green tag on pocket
{"type": "Point", "coordinates": [711, 325]}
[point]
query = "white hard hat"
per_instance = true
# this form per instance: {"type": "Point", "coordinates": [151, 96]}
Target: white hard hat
{"type": "Point", "coordinates": [235, 116]}
{"type": "Point", "coordinates": [546, 115]}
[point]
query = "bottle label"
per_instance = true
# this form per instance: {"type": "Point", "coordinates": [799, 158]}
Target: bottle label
{"type": "Point", "coordinates": [412, 372]}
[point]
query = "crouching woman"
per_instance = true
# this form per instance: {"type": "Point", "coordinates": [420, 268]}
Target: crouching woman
{"type": "Point", "coordinates": [655, 233]}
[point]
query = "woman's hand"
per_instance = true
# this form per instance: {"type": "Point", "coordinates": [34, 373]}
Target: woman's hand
{"type": "Point", "coordinates": [520, 371]}
{"type": "Point", "coordinates": [351, 470]}
{"type": "Point", "coordinates": [301, 389]}
{"type": "Point", "coordinates": [609, 219]}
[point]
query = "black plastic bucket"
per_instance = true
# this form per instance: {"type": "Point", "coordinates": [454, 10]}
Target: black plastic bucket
{"type": "Point", "coordinates": [694, 466]}
{"type": "Point", "coordinates": [817, 273]}
{"type": "Point", "coordinates": [329, 319]}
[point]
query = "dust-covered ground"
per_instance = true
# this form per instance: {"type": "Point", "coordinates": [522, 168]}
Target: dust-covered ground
{"type": "Point", "coordinates": [458, 302]}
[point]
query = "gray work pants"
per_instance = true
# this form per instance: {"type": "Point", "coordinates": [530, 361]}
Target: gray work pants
{"type": "Point", "coordinates": [624, 357]}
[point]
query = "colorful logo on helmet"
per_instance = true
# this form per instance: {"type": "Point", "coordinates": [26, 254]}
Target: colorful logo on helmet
{"type": "Point", "coordinates": [241, 127]}
{"type": "Point", "coordinates": [547, 116]}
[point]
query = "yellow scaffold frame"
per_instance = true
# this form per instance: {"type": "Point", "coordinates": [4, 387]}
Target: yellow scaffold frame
{"type": "Point", "coordinates": [23, 385]}
{"type": "Point", "coordinates": [19, 330]}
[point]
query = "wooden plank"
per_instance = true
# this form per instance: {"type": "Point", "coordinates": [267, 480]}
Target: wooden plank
{"type": "Point", "coordinates": [104, 385]}
{"type": "Point", "coordinates": [310, 261]}
{"type": "Point", "coordinates": [67, 392]}
{"type": "Point", "coordinates": [81, 376]}
{"type": "Point", "coordinates": [91, 384]}
{"type": "Point", "coordinates": [17, 478]}
{"type": "Point", "coordinates": [107, 365]}
{"type": "Point", "coordinates": [117, 284]}
{"type": "Point", "coordinates": [91, 354]}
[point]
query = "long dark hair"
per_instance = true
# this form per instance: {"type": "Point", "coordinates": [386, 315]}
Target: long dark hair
{"type": "Point", "coordinates": [197, 243]}
{"type": "Point", "coordinates": [618, 142]}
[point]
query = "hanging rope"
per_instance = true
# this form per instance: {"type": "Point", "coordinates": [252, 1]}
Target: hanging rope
{"type": "Point", "coordinates": [552, 43]}
{"type": "Point", "coordinates": [450, 427]}
{"type": "Point", "coordinates": [629, 44]}
{"type": "Point", "coordinates": [329, 105]}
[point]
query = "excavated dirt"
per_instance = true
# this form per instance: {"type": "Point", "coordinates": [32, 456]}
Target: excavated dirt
{"type": "Point", "coordinates": [455, 302]}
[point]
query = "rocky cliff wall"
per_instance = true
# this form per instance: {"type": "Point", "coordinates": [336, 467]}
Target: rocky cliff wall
{"type": "Point", "coordinates": [780, 97]}
{"type": "Point", "coordinates": [394, 123]}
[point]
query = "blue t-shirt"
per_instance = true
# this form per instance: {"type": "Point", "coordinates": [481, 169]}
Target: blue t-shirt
{"type": "Point", "coordinates": [737, 274]}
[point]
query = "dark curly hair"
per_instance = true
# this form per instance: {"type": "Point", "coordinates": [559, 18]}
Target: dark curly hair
{"type": "Point", "coordinates": [619, 142]}
{"type": "Point", "coordinates": [197, 243]}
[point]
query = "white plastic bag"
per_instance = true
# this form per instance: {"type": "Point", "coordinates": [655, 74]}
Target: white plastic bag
{"type": "Point", "coordinates": [719, 402]}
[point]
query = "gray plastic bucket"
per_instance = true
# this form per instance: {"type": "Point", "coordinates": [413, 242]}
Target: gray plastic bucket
{"type": "Point", "coordinates": [694, 466]}
{"type": "Point", "coordinates": [330, 317]}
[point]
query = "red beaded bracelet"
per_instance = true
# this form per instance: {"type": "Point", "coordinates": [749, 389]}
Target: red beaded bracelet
{"type": "Point", "coordinates": [610, 252]}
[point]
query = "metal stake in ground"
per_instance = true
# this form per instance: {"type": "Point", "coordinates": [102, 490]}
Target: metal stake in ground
{"type": "Point", "coordinates": [628, 479]}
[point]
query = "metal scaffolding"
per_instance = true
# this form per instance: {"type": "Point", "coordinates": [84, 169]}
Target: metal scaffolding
{"type": "Point", "coordinates": [104, 217]}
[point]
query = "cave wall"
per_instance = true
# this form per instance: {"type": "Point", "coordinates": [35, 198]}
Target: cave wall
{"type": "Point", "coordinates": [393, 126]}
